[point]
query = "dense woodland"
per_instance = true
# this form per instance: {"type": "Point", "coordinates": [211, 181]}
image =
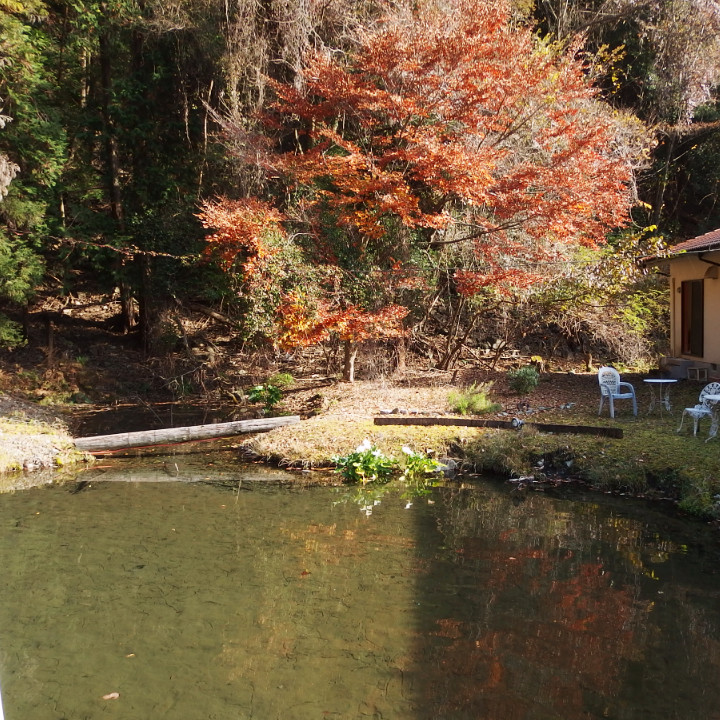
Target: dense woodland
{"type": "Point", "coordinates": [439, 177]}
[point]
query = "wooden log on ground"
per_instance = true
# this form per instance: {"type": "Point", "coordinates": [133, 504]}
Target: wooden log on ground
{"type": "Point", "coordinates": [610, 432]}
{"type": "Point", "coordinates": [119, 441]}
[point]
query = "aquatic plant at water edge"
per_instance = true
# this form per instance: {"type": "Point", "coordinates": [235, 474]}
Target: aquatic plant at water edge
{"type": "Point", "coordinates": [366, 464]}
{"type": "Point", "coordinates": [418, 465]}
{"type": "Point", "coordinates": [371, 471]}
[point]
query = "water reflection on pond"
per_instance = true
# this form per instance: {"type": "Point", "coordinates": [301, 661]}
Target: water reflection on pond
{"type": "Point", "coordinates": [194, 602]}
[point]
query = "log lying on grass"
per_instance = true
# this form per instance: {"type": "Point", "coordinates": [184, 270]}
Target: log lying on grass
{"type": "Point", "coordinates": [610, 432]}
{"type": "Point", "coordinates": [120, 441]}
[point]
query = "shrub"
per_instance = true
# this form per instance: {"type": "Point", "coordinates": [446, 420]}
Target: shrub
{"type": "Point", "coordinates": [11, 334]}
{"type": "Point", "coordinates": [472, 400]}
{"type": "Point", "coordinates": [523, 380]}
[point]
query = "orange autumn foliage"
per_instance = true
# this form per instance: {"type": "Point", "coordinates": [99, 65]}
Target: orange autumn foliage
{"type": "Point", "coordinates": [298, 326]}
{"type": "Point", "coordinates": [239, 230]}
{"type": "Point", "coordinates": [448, 125]}
{"type": "Point", "coordinates": [456, 121]}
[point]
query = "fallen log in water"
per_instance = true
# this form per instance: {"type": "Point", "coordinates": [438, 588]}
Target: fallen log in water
{"type": "Point", "coordinates": [610, 432]}
{"type": "Point", "coordinates": [144, 438]}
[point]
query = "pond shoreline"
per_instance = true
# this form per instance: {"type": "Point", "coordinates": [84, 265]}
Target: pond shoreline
{"type": "Point", "coordinates": [651, 461]}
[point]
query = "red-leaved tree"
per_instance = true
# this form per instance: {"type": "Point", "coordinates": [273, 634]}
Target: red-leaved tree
{"type": "Point", "coordinates": [449, 126]}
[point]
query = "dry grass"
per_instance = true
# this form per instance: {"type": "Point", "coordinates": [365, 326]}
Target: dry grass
{"type": "Point", "coordinates": [347, 412]}
{"type": "Point", "coordinates": [31, 438]}
{"type": "Point", "coordinates": [314, 442]}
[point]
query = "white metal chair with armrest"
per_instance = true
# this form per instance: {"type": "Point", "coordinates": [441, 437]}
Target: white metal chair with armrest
{"type": "Point", "coordinates": [612, 389]}
{"type": "Point", "coordinates": [703, 408]}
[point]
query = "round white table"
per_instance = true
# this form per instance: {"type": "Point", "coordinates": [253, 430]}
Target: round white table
{"type": "Point", "coordinates": [663, 392]}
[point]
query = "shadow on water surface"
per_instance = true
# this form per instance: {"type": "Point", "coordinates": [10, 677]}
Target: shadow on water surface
{"type": "Point", "coordinates": [189, 601]}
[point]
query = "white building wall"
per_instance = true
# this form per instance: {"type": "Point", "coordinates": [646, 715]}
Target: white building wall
{"type": "Point", "coordinates": [690, 267]}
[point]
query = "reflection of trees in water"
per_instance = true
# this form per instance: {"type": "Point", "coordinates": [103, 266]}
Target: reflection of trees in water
{"type": "Point", "coordinates": [554, 611]}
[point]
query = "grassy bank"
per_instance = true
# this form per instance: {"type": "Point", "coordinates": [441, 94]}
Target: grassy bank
{"type": "Point", "coordinates": [651, 459]}
{"type": "Point", "coordinates": [32, 438]}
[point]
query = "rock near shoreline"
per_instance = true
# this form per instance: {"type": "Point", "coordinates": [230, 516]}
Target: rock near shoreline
{"type": "Point", "coordinates": [32, 437]}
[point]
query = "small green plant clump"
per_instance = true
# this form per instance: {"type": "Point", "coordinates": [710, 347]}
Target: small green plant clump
{"type": "Point", "coordinates": [418, 465]}
{"type": "Point", "coordinates": [271, 393]}
{"type": "Point", "coordinates": [523, 380]}
{"type": "Point", "coordinates": [281, 380]}
{"type": "Point", "coordinates": [367, 464]}
{"type": "Point", "coordinates": [473, 400]}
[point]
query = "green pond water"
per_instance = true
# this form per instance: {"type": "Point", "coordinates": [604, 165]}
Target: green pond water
{"type": "Point", "coordinates": [166, 600]}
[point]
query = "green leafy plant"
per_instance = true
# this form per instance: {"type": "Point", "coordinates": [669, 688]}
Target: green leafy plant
{"type": "Point", "coordinates": [473, 400]}
{"type": "Point", "coordinates": [367, 464]}
{"type": "Point", "coordinates": [371, 471]}
{"type": "Point", "coordinates": [523, 380]}
{"type": "Point", "coordinates": [419, 473]}
{"type": "Point", "coordinates": [269, 395]}
{"type": "Point", "coordinates": [281, 380]}
{"type": "Point", "coordinates": [418, 465]}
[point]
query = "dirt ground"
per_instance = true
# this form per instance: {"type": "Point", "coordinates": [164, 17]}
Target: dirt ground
{"type": "Point", "coordinates": [77, 371]}
{"type": "Point", "coordinates": [105, 397]}
{"type": "Point", "coordinates": [78, 367]}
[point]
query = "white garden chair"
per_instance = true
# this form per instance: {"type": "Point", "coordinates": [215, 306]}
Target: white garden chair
{"type": "Point", "coordinates": [702, 409]}
{"type": "Point", "coordinates": [611, 389]}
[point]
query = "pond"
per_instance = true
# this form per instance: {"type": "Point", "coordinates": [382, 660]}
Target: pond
{"type": "Point", "coordinates": [251, 599]}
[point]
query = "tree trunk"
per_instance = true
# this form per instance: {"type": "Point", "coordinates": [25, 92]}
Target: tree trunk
{"type": "Point", "coordinates": [111, 147]}
{"type": "Point", "coordinates": [453, 350]}
{"type": "Point", "coordinates": [350, 354]}
{"type": "Point", "coordinates": [50, 342]}
{"type": "Point", "coordinates": [112, 160]}
{"type": "Point", "coordinates": [400, 356]}
{"type": "Point", "coordinates": [453, 329]}
{"type": "Point", "coordinates": [663, 181]}
{"type": "Point", "coordinates": [145, 307]}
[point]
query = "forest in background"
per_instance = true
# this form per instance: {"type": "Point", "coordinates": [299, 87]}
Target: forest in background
{"type": "Point", "coordinates": [308, 171]}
